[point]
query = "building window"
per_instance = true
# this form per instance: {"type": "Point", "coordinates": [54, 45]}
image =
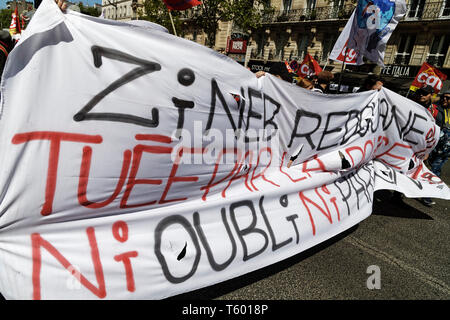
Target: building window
{"type": "Point", "coordinates": [338, 4]}
{"type": "Point", "coordinates": [445, 11]}
{"type": "Point", "coordinates": [261, 43]}
{"type": "Point", "coordinates": [416, 8]}
{"type": "Point", "coordinates": [327, 45]}
{"type": "Point", "coordinates": [338, 9]}
{"type": "Point", "coordinates": [438, 50]}
{"type": "Point", "coordinates": [405, 48]}
{"type": "Point", "coordinates": [302, 45]}
{"type": "Point", "coordinates": [279, 46]}
{"type": "Point", "coordinates": [311, 4]}
{"type": "Point", "coordinates": [287, 4]}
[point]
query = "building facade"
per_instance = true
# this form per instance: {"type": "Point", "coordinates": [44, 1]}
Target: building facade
{"type": "Point", "coordinates": [123, 10]}
{"type": "Point", "coordinates": [298, 27]}
{"type": "Point", "coordinates": [22, 5]}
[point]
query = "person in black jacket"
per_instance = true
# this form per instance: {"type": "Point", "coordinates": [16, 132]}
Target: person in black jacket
{"type": "Point", "coordinates": [372, 82]}
{"type": "Point", "coordinates": [6, 45]}
{"type": "Point", "coordinates": [440, 154]}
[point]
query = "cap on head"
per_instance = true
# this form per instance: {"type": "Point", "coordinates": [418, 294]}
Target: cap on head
{"type": "Point", "coordinates": [425, 90]}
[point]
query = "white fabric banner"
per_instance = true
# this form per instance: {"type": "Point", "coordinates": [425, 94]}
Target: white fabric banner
{"type": "Point", "coordinates": [368, 31]}
{"type": "Point", "coordinates": [139, 165]}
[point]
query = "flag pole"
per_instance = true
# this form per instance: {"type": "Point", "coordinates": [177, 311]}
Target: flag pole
{"type": "Point", "coordinates": [326, 63]}
{"type": "Point", "coordinates": [173, 25]}
{"type": "Point", "coordinates": [342, 70]}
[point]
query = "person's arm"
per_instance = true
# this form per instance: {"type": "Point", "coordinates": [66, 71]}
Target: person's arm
{"type": "Point", "coordinates": [259, 74]}
{"type": "Point", "coordinates": [62, 4]}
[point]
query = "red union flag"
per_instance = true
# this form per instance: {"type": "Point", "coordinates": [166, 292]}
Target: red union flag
{"type": "Point", "coordinates": [428, 75]}
{"type": "Point", "coordinates": [349, 55]}
{"type": "Point", "coordinates": [308, 67]}
{"type": "Point", "coordinates": [14, 27]}
{"type": "Point", "coordinates": [181, 4]}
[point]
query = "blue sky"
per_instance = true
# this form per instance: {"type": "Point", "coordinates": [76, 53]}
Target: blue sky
{"type": "Point", "coordinates": [88, 2]}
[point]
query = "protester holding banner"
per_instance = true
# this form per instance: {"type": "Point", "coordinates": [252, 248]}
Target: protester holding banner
{"type": "Point", "coordinates": [423, 96]}
{"type": "Point", "coordinates": [305, 83]}
{"type": "Point", "coordinates": [442, 150]}
{"type": "Point", "coordinates": [323, 81]}
{"type": "Point", "coordinates": [372, 82]}
{"type": "Point", "coordinates": [278, 70]}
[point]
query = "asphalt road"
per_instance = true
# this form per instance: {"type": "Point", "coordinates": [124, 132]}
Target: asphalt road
{"type": "Point", "coordinates": [409, 242]}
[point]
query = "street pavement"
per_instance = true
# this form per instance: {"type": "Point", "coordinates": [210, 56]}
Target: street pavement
{"type": "Point", "coordinates": [409, 242]}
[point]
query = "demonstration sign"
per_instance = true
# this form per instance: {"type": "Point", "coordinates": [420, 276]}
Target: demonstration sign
{"type": "Point", "coordinates": [131, 171]}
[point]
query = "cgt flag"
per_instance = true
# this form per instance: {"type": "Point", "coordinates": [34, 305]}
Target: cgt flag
{"type": "Point", "coordinates": [14, 27]}
{"type": "Point", "coordinates": [428, 75]}
{"type": "Point", "coordinates": [340, 52]}
{"type": "Point", "coordinates": [308, 67]}
{"type": "Point", "coordinates": [181, 4]}
{"type": "Point", "coordinates": [369, 29]}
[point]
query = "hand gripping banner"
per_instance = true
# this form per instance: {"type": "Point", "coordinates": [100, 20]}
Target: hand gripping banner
{"type": "Point", "coordinates": [139, 165]}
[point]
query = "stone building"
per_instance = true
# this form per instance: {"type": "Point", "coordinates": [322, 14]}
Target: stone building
{"type": "Point", "coordinates": [298, 27]}
{"type": "Point", "coordinates": [123, 10]}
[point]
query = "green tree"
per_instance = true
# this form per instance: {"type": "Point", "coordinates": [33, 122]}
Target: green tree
{"type": "Point", "coordinates": [91, 11]}
{"type": "Point", "coordinates": [245, 14]}
{"type": "Point", "coordinates": [156, 11]}
{"type": "Point", "coordinates": [5, 18]}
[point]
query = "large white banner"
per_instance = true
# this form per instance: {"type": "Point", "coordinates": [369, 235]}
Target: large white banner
{"type": "Point", "coordinates": [139, 165]}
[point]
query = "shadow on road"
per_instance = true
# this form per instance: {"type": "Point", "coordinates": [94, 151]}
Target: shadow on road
{"type": "Point", "coordinates": [385, 205]}
{"type": "Point", "coordinates": [228, 286]}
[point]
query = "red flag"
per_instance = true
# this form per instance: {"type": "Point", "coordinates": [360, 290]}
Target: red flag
{"type": "Point", "coordinates": [294, 66]}
{"type": "Point", "coordinates": [351, 57]}
{"type": "Point", "coordinates": [181, 4]}
{"type": "Point", "coordinates": [308, 67]}
{"type": "Point", "coordinates": [428, 75]}
{"type": "Point", "coordinates": [22, 26]}
{"type": "Point", "coordinates": [288, 67]}
{"type": "Point", "coordinates": [14, 27]}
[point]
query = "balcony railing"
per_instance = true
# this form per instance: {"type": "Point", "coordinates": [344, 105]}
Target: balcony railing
{"type": "Point", "coordinates": [427, 10]}
{"type": "Point", "coordinates": [415, 11]}
{"type": "Point", "coordinates": [305, 14]}
{"type": "Point", "coordinates": [402, 58]}
{"type": "Point", "coordinates": [436, 59]}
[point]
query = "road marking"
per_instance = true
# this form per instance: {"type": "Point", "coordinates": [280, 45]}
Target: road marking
{"type": "Point", "coordinates": [428, 279]}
